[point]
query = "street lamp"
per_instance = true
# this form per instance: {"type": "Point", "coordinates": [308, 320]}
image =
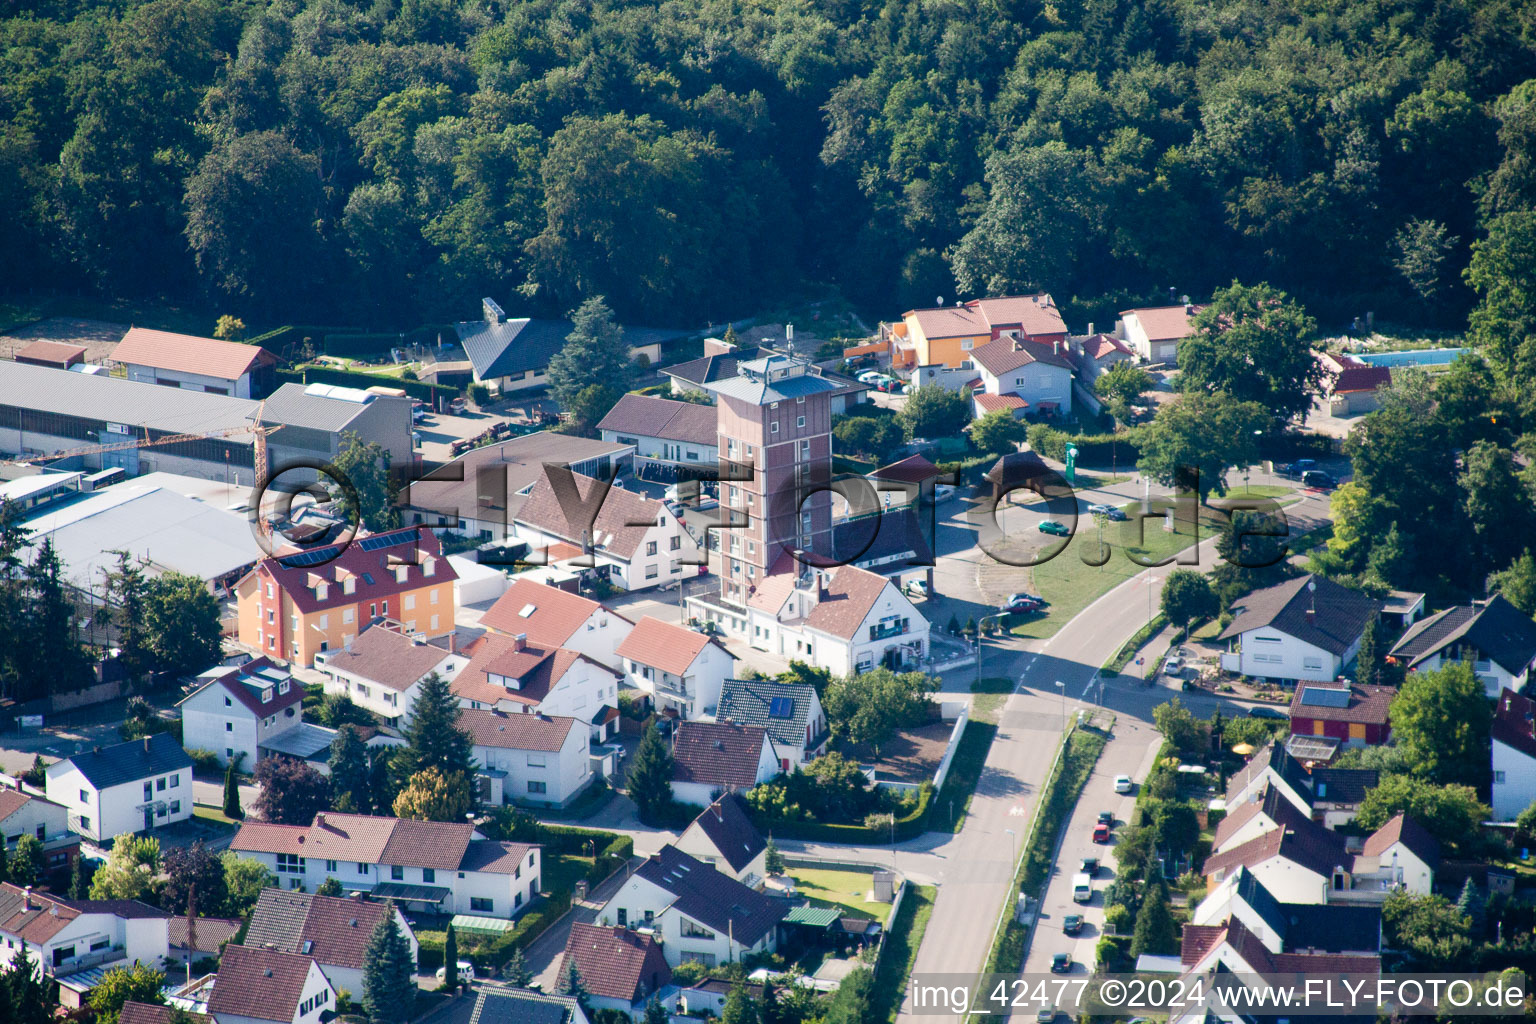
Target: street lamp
{"type": "Point", "coordinates": [1015, 861]}
{"type": "Point", "coordinates": [1249, 466]}
{"type": "Point", "coordinates": [1062, 687]}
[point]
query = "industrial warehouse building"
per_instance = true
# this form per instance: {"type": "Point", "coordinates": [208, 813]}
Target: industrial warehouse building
{"type": "Point", "coordinates": [45, 411]}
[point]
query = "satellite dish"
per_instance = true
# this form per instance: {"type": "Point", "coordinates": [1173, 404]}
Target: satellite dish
{"type": "Point", "coordinates": [1312, 585]}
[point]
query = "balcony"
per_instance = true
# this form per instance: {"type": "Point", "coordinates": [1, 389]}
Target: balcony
{"type": "Point", "coordinates": [885, 632]}
{"type": "Point", "coordinates": [85, 961]}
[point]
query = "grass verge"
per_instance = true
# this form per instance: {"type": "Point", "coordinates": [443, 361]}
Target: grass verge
{"type": "Point", "coordinates": [901, 945]}
{"type": "Point", "coordinates": [1138, 640]}
{"type": "Point", "coordinates": [954, 800]}
{"type": "Point", "coordinates": [214, 816]}
{"type": "Point", "coordinates": [1056, 802]}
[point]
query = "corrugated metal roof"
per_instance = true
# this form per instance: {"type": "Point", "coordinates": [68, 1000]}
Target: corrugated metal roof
{"type": "Point", "coordinates": [296, 405]}
{"type": "Point", "coordinates": [815, 917]}
{"type": "Point", "coordinates": [114, 400]}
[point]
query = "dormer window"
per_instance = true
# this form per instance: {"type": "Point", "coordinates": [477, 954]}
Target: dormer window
{"type": "Point", "coordinates": [321, 592]}
{"type": "Point", "coordinates": [429, 567]}
{"type": "Point", "coordinates": [266, 695]}
{"type": "Point", "coordinates": [282, 687]}
{"type": "Point", "coordinates": [505, 682]}
{"type": "Point", "coordinates": [349, 585]}
{"type": "Point", "coordinates": [400, 573]}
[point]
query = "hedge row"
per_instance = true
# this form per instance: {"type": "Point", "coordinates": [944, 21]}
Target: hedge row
{"type": "Point", "coordinates": [909, 826]}
{"type": "Point", "coordinates": [495, 952]}
{"type": "Point", "coordinates": [357, 343]}
{"type": "Point", "coordinates": [1092, 449]}
{"type": "Point", "coordinates": [613, 850]}
{"type": "Point", "coordinates": [280, 339]}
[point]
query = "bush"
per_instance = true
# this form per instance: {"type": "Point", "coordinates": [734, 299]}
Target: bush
{"type": "Point", "coordinates": [1092, 449]}
{"type": "Point", "coordinates": [359, 379]}
{"type": "Point", "coordinates": [910, 825]}
{"type": "Point", "coordinates": [479, 394]}
{"type": "Point", "coordinates": [205, 761]}
{"type": "Point", "coordinates": [1117, 917]}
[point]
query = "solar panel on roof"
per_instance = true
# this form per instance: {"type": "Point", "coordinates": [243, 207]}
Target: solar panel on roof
{"type": "Point", "coordinates": [1320, 697]}
{"type": "Point", "coordinates": [368, 578]}
{"type": "Point", "coordinates": [312, 557]}
{"type": "Point", "coordinates": [385, 540]}
{"type": "Point", "coordinates": [781, 707]}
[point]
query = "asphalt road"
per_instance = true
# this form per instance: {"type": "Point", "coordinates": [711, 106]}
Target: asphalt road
{"type": "Point", "coordinates": [976, 880]}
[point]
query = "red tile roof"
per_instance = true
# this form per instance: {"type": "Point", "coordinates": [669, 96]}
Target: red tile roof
{"type": "Point", "coordinates": [851, 594]}
{"type": "Point", "coordinates": [914, 469]}
{"type": "Point", "coordinates": [388, 657]}
{"type": "Point", "coordinates": [1272, 805]}
{"type": "Point", "coordinates": [1033, 314]}
{"type": "Point", "coordinates": [992, 403]}
{"type": "Point", "coordinates": [154, 1013]}
{"type": "Point", "coordinates": [371, 567]}
{"type": "Point", "coordinates": [1198, 940]}
{"type": "Point", "coordinates": [212, 932]}
{"type": "Point", "coordinates": [242, 683]}
{"type": "Point", "coordinates": [552, 616]}
{"type": "Point", "coordinates": [718, 754]}
{"type": "Point", "coordinates": [1165, 323]}
{"type": "Point", "coordinates": [516, 731]}
{"type": "Point", "coordinates": [616, 963]}
{"type": "Point", "coordinates": [663, 645]}
{"type": "Point", "coordinates": [649, 416]}
{"type": "Point", "coordinates": [1367, 704]}
{"type": "Point", "coordinates": [1101, 345]}
{"type": "Point", "coordinates": [186, 353]}
{"type": "Point", "coordinates": [51, 353]}
{"type": "Point", "coordinates": [1007, 354]}
{"type": "Point", "coordinates": [260, 983]}
{"type": "Point", "coordinates": [366, 839]}
{"type": "Point", "coordinates": [1405, 830]}
{"type": "Point", "coordinates": [1514, 722]}
{"type": "Point", "coordinates": [1311, 846]}
{"type": "Point", "coordinates": [538, 669]}
{"type": "Point", "coordinates": [950, 322]}
{"type": "Point", "coordinates": [620, 523]}
{"type": "Point", "coordinates": [36, 919]}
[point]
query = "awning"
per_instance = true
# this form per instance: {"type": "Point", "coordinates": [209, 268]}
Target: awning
{"type": "Point", "coordinates": [813, 917]}
{"type": "Point", "coordinates": [479, 924]}
{"type": "Point", "coordinates": [604, 715]}
{"type": "Point", "coordinates": [410, 893]}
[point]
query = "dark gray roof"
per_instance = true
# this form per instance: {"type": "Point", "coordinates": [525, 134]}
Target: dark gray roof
{"type": "Point", "coordinates": [708, 369]}
{"type": "Point", "coordinates": [649, 416]}
{"type": "Point", "coordinates": [1287, 767]}
{"type": "Point", "coordinates": [713, 898]}
{"type": "Point", "coordinates": [115, 400]}
{"type": "Point", "coordinates": [521, 1007]}
{"type": "Point", "coordinates": [1339, 618]}
{"type": "Point", "coordinates": [755, 701]}
{"type": "Point", "coordinates": [1495, 627]}
{"type": "Point", "coordinates": [773, 378]}
{"type": "Point", "coordinates": [278, 920]}
{"type": "Point", "coordinates": [1343, 785]}
{"type": "Point", "coordinates": [889, 543]}
{"type": "Point", "coordinates": [1328, 928]}
{"type": "Point", "coordinates": [300, 405]}
{"type": "Point", "coordinates": [731, 831]}
{"type": "Point", "coordinates": [512, 347]}
{"type": "Point", "coordinates": [128, 762]}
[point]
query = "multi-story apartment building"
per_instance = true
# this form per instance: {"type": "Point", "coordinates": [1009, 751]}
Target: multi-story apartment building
{"type": "Point", "coordinates": [775, 426]}
{"type": "Point", "coordinates": [296, 606]}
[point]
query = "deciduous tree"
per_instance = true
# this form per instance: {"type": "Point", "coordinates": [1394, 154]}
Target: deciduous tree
{"type": "Point", "coordinates": [139, 983]}
{"type": "Point", "coordinates": [432, 796]}
{"type": "Point", "coordinates": [1441, 719]}
{"type": "Point", "coordinates": [130, 871]}
{"type": "Point", "coordinates": [292, 791]}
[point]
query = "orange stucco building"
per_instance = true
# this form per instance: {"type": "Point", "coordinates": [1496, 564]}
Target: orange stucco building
{"type": "Point", "coordinates": [945, 335]}
{"type": "Point", "coordinates": [295, 606]}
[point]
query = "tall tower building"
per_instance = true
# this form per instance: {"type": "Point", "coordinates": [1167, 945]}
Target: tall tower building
{"type": "Point", "coordinates": [775, 437]}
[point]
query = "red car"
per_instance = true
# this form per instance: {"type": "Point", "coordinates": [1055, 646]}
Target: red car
{"type": "Point", "coordinates": [1101, 833]}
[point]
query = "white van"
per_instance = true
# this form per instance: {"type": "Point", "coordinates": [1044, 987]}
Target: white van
{"type": "Point", "coordinates": [1082, 888]}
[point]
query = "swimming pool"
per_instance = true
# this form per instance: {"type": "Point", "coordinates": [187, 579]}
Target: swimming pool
{"type": "Point", "coordinates": [1417, 357]}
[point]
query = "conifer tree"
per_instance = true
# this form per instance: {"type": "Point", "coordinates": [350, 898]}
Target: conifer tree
{"type": "Point", "coordinates": [650, 776]}
{"type": "Point", "coordinates": [451, 959]}
{"type": "Point", "coordinates": [389, 987]}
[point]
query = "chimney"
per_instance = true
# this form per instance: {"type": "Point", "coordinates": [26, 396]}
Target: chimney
{"type": "Point", "coordinates": [320, 820]}
{"type": "Point", "coordinates": [1311, 614]}
{"type": "Point", "coordinates": [26, 898]}
{"type": "Point", "coordinates": [1173, 293]}
{"type": "Point", "coordinates": [1056, 347]}
{"type": "Point", "coordinates": [1090, 328]}
{"type": "Point", "coordinates": [520, 642]}
{"type": "Point", "coordinates": [1189, 310]}
{"type": "Point", "coordinates": [146, 744]}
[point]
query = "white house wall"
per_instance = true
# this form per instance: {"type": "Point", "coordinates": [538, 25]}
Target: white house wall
{"type": "Point", "coordinates": [1514, 781]}
{"type": "Point", "coordinates": [564, 772]}
{"type": "Point", "coordinates": [1269, 653]}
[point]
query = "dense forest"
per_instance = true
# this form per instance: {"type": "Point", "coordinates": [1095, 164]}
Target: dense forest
{"type": "Point", "coordinates": [389, 161]}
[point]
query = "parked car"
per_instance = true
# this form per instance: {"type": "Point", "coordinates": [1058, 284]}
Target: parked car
{"type": "Point", "coordinates": [1090, 867]}
{"type": "Point", "coordinates": [1173, 665]}
{"type": "Point", "coordinates": [1046, 1014]}
{"type": "Point", "coordinates": [1101, 833]}
{"type": "Point", "coordinates": [1072, 924]}
{"type": "Point", "coordinates": [1107, 511]}
{"type": "Point", "coordinates": [1025, 603]}
{"type": "Point", "coordinates": [917, 588]}
{"type": "Point", "coordinates": [1266, 712]}
{"type": "Point", "coordinates": [1082, 888]}
{"type": "Point", "coordinates": [943, 492]}
{"type": "Point", "coordinates": [1107, 818]}
{"type": "Point", "coordinates": [1123, 784]}
{"type": "Point", "coordinates": [1061, 963]}
{"type": "Point", "coordinates": [869, 377]}
{"type": "Point", "coordinates": [890, 385]}
{"type": "Point", "coordinates": [1317, 478]}
{"type": "Point", "coordinates": [1054, 528]}
{"type": "Point", "coordinates": [466, 971]}
{"type": "Point", "coordinates": [1296, 468]}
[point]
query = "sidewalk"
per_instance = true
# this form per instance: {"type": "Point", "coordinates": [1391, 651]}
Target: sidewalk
{"type": "Point", "coordinates": [545, 953]}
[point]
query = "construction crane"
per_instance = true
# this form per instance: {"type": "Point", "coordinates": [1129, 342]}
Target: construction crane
{"type": "Point", "coordinates": [257, 429]}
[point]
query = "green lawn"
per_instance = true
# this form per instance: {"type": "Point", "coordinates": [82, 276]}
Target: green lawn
{"type": "Point", "coordinates": [563, 870]}
{"type": "Point", "coordinates": [826, 887]}
{"type": "Point", "coordinates": [900, 953]}
{"type": "Point", "coordinates": [952, 802]}
{"type": "Point", "coordinates": [1072, 585]}
{"type": "Point", "coordinates": [986, 705]}
{"type": "Point", "coordinates": [214, 816]}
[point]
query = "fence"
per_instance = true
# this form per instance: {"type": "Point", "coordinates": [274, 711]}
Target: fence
{"type": "Point", "coordinates": [949, 751]}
